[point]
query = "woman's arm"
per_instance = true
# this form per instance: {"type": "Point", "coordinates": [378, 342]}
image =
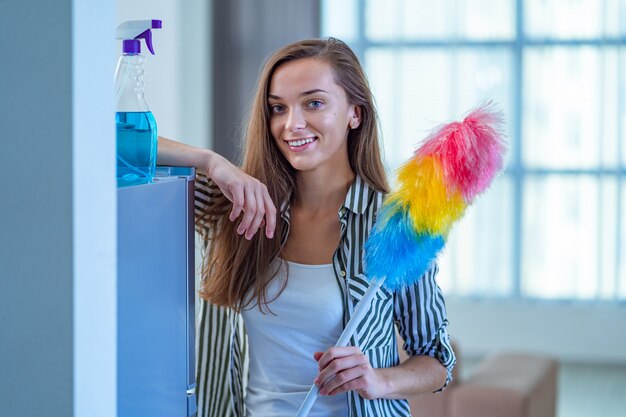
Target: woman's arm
{"type": "Point", "coordinates": [348, 369]}
{"type": "Point", "coordinates": [174, 153]}
{"type": "Point", "coordinates": [248, 195]}
{"type": "Point", "coordinates": [416, 375]}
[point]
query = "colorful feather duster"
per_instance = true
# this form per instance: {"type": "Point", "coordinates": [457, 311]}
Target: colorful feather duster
{"type": "Point", "coordinates": [454, 164]}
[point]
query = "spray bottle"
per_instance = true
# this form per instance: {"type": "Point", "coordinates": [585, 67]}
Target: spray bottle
{"type": "Point", "coordinates": [135, 125]}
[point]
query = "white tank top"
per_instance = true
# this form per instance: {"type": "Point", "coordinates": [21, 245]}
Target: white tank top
{"type": "Point", "coordinates": [307, 317]}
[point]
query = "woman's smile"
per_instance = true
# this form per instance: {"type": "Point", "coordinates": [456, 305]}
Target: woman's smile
{"type": "Point", "coordinates": [301, 144]}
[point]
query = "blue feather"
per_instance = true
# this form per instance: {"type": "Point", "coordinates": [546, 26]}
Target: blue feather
{"type": "Point", "coordinates": [394, 250]}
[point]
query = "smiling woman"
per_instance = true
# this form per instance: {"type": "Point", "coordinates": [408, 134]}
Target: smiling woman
{"type": "Point", "coordinates": [312, 150]}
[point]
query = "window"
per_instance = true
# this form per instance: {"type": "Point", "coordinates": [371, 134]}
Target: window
{"type": "Point", "coordinates": [553, 226]}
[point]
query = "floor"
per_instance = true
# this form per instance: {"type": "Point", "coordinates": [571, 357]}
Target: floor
{"type": "Point", "coordinates": [592, 390]}
{"type": "Point", "coordinates": [587, 390]}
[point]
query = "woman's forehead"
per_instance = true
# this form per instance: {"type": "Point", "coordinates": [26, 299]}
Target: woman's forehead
{"type": "Point", "coordinates": [303, 75]}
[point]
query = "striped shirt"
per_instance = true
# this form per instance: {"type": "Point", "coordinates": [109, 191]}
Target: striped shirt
{"type": "Point", "coordinates": [418, 312]}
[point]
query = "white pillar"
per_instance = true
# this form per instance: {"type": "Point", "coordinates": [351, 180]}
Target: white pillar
{"type": "Point", "coordinates": [94, 55]}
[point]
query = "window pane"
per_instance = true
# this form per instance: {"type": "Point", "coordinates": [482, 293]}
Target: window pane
{"type": "Point", "coordinates": [339, 19]}
{"type": "Point", "coordinates": [418, 89]}
{"type": "Point", "coordinates": [609, 98]}
{"type": "Point", "coordinates": [560, 237]}
{"type": "Point", "coordinates": [482, 74]}
{"type": "Point", "coordinates": [574, 18]}
{"type": "Point", "coordinates": [621, 117]}
{"type": "Point", "coordinates": [615, 12]}
{"type": "Point", "coordinates": [382, 19]}
{"type": "Point", "coordinates": [477, 257]}
{"type": "Point", "coordinates": [486, 19]}
{"type": "Point", "coordinates": [570, 100]}
{"type": "Point", "coordinates": [622, 245]}
{"type": "Point", "coordinates": [422, 19]}
{"type": "Point", "coordinates": [442, 19]}
{"type": "Point", "coordinates": [608, 235]}
{"type": "Point", "coordinates": [380, 64]}
{"type": "Point", "coordinates": [412, 91]}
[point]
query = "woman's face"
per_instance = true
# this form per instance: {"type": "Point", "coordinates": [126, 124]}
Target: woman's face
{"type": "Point", "coordinates": [310, 115]}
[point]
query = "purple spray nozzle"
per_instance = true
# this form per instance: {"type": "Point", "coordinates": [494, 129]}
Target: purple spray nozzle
{"type": "Point", "coordinates": [132, 31]}
{"type": "Point", "coordinates": [147, 36]}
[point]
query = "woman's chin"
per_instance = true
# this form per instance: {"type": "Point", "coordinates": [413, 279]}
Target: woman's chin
{"type": "Point", "coordinates": [303, 165]}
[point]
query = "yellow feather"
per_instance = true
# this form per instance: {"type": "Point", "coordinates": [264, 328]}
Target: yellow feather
{"type": "Point", "coordinates": [432, 208]}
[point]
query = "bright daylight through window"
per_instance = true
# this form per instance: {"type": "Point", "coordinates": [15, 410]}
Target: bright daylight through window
{"type": "Point", "coordinates": [554, 225]}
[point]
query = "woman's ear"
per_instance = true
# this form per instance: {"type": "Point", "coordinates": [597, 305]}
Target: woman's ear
{"type": "Point", "coordinates": [355, 119]}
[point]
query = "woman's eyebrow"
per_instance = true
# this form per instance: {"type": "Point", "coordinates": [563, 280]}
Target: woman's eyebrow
{"type": "Point", "coordinates": [306, 93]}
{"type": "Point", "coordinates": [316, 90]}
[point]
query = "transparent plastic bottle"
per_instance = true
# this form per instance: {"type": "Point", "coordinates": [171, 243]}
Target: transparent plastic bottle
{"type": "Point", "coordinates": [136, 128]}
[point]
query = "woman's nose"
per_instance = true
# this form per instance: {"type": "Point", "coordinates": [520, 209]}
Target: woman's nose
{"type": "Point", "coordinates": [295, 121]}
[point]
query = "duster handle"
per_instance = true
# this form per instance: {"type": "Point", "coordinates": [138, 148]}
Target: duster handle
{"type": "Point", "coordinates": [359, 312]}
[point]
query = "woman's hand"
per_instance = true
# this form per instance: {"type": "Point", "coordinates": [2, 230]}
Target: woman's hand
{"type": "Point", "coordinates": [247, 194]}
{"type": "Point", "coordinates": [345, 369]}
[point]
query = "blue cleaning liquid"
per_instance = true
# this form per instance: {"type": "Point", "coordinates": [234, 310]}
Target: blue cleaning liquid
{"type": "Point", "coordinates": [136, 147]}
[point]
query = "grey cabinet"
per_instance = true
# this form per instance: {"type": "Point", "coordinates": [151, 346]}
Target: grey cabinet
{"type": "Point", "coordinates": [155, 305]}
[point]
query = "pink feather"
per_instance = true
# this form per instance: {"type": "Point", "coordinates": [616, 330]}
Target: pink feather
{"type": "Point", "coordinates": [470, 152]}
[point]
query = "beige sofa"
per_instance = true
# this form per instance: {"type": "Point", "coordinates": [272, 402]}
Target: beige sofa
{"type": "Point", "coordinates": [502, 385]}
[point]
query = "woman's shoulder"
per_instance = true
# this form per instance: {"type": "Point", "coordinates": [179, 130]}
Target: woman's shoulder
{"type": "Point", "coordinates": [363, 197]}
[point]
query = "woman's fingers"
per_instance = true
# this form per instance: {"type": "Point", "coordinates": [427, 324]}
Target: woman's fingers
{"type": "Point", "coordinates": [258, 215]}
{"type": "Point", "coordinates": [352, 379]}
{"type": "Point", "coordinates": [345, 369]}
{"type": "Point", "coordinates": [258, 209]}
{"type": "Point", "coordinates": [349, 373]}
{"type": "Point", "coordinates": [339, 365]}
{"type": "Point", "coordinates": [249, 210]}
{"type": "Point", "coordinates": [237, 197]}
{"type": "Point", "coordinates": [336, 352]}
{"type": "Point", "coordinates": [270, 214]}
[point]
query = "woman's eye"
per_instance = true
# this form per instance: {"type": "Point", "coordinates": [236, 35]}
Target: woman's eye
{"type": "Point", "coordinates": [315, 104]}
{"type": "Point", "coordinates": [276, 108]}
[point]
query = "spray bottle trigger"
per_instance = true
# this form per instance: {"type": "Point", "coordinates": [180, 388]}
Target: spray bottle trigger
{"type": "Point", "coordinates": [147, 35]}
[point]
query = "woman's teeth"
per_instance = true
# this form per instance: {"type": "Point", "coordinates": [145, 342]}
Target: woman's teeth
{"type": "Point", "coordinates": [300, 142]}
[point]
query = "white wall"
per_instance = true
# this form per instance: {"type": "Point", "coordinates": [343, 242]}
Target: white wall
{"type": "Point", "coordinates": [577, 332]}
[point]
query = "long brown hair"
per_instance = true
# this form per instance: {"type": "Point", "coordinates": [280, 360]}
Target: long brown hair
{"type": "Point", "coordinates": [236, 272]}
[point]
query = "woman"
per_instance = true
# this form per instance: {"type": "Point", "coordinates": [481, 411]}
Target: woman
{"type": "Point", "coordinates": [312, 149]}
